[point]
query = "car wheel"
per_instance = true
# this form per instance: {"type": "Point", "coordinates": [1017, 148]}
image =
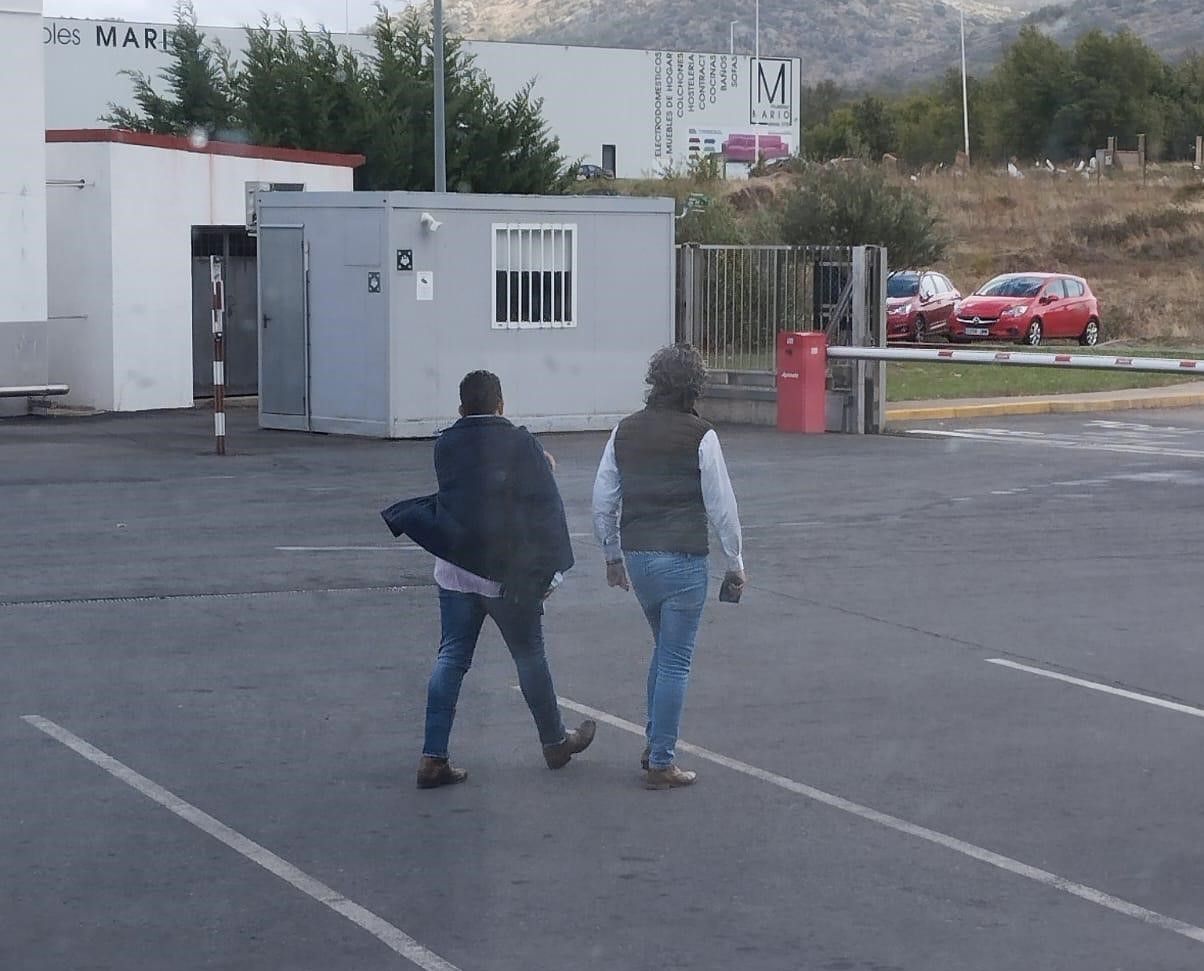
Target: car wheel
{"type": "Point", "coordinates": [1090, 336]}
{"type": "Point", "coordinates": [921, 334]}
{"type": "Point", "coordinates": [1032, 337]}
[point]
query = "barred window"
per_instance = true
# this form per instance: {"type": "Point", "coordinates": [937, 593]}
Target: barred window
{"type": "Point", "coordinates": [534, 266]}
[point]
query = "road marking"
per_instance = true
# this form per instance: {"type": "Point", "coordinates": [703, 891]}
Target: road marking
{"type": "Point", "coordinates": [1048, 442]}
{"type": "Point", "coordinates": [234, 595]}
{"type": "Point", "coordinates": [809, 522]}
{"type": "Point", "coordinates": [1096, 686]}
{"type": "Point", "coordinates": [392, 937]}
{"type": "Point", "coordinates": [997, 860]}
{"type": "Point", "coordinates": [348, 549]}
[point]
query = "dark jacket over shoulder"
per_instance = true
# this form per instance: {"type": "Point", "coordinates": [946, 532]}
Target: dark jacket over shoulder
{"type": "Point", "coordinates": [498, 512]}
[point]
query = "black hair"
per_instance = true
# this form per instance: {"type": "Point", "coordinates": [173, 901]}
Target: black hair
{"type": "Point", "coordinates": [480, 393]}
{"type": "Point", "coordinates": [676, 377]}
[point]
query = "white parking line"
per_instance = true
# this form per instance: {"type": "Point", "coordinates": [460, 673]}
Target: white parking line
{"type": "Point", "coordinates": [392, 937]}
{"type": "Point", "coordinates": [1053, 442]}
{"type": "Point", "coordinates": [1095, 686]}
{"type": "Point", "coordinates": [1043, 877]}
{"type": "Point", "coordinates": [404, 547]}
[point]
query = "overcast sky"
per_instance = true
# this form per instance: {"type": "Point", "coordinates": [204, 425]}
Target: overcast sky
{"type": "Point", "coordinates": [223, 13]}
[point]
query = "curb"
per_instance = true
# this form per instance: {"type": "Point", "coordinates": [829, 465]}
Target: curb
{"type": "Point", "coordinates": [1043, 406]}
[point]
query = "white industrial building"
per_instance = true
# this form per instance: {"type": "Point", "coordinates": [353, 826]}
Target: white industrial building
{"type": "Point", "coordinates": [122, 212]}
{"type": "Point", "coordinates": [633, 112]}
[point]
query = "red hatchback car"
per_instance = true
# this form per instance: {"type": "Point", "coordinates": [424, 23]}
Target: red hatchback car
{"type": "Point", "coordinates": [919, 303]}
{"type": "Point", "coordinates": [1028, 308]}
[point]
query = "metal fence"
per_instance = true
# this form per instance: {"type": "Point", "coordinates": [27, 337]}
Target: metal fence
{"type": "Point", "coordinates": [732, 301]}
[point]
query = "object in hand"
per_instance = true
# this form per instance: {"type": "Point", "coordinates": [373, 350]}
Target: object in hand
{"type": "Point", "coordinates": [731, 590]}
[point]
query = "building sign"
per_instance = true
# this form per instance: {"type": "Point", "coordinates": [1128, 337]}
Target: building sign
{"type": "Point", "coordinates": [706, 104]}
{"type": "Point", "coordinates": [115, 35]}
{"type": "Point", "coordinates": [771, 95]}
{"type": "Point", "coordinates": [686, 88]}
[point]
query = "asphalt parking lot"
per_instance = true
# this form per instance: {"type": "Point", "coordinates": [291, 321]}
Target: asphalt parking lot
{"type": "Point", "coordinates": [954, 723]}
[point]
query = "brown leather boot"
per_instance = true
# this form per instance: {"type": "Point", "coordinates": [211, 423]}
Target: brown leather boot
{"type": "Point", "coordinates": [433, 773]}
{"type": "Point", "coordinates": [578, 740]}
{"type": "Point", "coordinates": [670, 777]}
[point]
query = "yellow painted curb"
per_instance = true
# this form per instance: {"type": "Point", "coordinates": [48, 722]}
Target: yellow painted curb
{"type": "Point", "coordinates": [1042, 406]}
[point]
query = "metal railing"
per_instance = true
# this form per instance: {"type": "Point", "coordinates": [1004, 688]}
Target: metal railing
{"type": "Point", "coordinates": [1096, 362]}
{"type": "Point", "coordinates": [732, 301]}
{"type": "Point", "coordinates": [35, 391]}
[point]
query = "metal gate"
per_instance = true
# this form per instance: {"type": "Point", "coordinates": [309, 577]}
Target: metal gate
{"type": "Point", "coordinates": [237, 251]}
{"type": "Point", "coordinates": [733, 301]}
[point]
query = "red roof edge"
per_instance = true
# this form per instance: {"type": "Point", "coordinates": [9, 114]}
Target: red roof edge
{"type": "Point", "coordinates": [180, 143]}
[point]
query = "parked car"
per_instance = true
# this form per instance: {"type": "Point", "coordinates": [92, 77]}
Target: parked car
{"type": "Point", "coordinates": [1029, 308]}
{"type": "Point", "coordinates": [919, 304]}
{"type": "Point", "coordinates": [590, 172]}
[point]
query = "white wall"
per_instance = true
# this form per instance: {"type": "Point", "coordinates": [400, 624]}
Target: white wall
{"type": "Point", "coordinates": [80, 258]}
{"type": "Point", "coordinates": [122, 256]}
{"type": "Point", "coordinates": [22, 163]}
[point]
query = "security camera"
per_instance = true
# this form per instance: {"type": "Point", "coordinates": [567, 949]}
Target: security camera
{"type": "Point", "coordinates": [430, 223]}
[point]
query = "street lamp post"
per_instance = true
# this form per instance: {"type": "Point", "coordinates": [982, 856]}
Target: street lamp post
{"type": "Point", "coordinates": [440, 106]}
{"type": "Point", "coordinates": [965, 92]}
{"type": "Point", "coordinates": [756, 94]}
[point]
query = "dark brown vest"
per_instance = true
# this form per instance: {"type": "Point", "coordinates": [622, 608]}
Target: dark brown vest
{"type": "Point", "coordinates": [656, 451]}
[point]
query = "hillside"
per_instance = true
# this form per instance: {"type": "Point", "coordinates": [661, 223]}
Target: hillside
{"type": "Point", "coordinates": [850, 42]}
{"type": "Point", "coordinates": [857, 42]}
{"type": "Point", "coordinates": [1171, 27]}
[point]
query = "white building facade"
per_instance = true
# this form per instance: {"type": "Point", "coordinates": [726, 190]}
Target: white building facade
{"type": "Point", "coordinates": [121, 215]}
{"type": "Point", "coordinates": [633, 112]}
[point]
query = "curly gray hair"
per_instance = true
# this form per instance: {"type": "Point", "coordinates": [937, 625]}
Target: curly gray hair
{"type": "Point", "coordinates": [677, 376]}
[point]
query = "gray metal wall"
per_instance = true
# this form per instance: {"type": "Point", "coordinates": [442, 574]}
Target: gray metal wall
{"type": "Point", "coordinates": [384, 362]}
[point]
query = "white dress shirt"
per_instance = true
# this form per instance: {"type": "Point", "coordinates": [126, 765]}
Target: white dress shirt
{"type": "Point", "coordinates": [717, 496]}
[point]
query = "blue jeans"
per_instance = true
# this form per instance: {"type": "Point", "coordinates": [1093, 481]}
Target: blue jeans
{"type": "Point", "coordinates": [672, 589]}
{"type": "Point", "coordinates": [462, 616]}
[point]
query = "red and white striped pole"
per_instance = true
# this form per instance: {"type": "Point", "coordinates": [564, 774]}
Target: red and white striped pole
{"type": "Point", "coordinates": [219, 353]}
{"type": "Point", "coordinates": [1094, 362]}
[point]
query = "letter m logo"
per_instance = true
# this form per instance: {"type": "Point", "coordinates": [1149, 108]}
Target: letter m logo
{"type": "Point", "coordinates": [771, 94]}
{"type": "Point", "coordinates": [771, 85]}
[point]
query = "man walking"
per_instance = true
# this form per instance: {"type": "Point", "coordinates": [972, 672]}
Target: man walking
{"type": "Point", "coordinates": [498, 532]}
{"type": "Point", "coordinates": [664, 469]}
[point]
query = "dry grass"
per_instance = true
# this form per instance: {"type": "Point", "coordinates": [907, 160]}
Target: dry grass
{"type": "Point", "coordinates": [1140, 248]}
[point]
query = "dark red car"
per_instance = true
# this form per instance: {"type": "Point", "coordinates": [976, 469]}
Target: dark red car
{"type": "Point", "coordinates": [1028, 308]}
{"type": "Point", "coordinates": [919, 304]}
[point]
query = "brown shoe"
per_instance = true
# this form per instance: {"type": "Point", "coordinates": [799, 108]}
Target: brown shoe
{"type": "Point", "coordinates": [433, 773]}
{"type": "Point", "coordinates": [578, 740]}
{"type": "Point", "coordinates": [670, 777]}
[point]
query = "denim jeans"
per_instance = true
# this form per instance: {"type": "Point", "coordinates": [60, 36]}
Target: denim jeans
{"type": "Point", "coordinates": [462, 616]}
{"type": "Point", "coordinates": [672, 589]}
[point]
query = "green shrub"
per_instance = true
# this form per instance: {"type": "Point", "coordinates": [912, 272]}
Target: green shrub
{"type": "Point", "coordinates": [857, 206]}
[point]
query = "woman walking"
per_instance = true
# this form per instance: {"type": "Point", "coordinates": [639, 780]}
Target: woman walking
{"type": "Point", "coordinates": [662, 478]}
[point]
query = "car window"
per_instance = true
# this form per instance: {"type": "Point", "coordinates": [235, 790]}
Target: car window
{"type": "Point", "coordinates": [1074, 288]}
{"type": "Point", "coordinates": [1057, 289]}
{"type": "Point", "coordinates": [927, 287]}
{"type": "Point", "coordinates": [1013, 286]}
{"type": "Point", "coordinates": [946, 284]}
{"type": "Point", "coordinates": [902, 285]}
